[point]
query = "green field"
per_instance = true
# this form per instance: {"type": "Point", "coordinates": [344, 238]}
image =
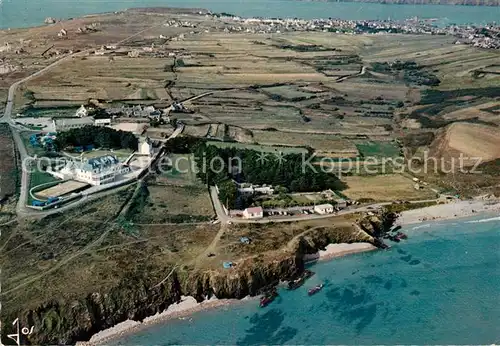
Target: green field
{"type": "Point", "coordinates": [378, 149]}
{"type": "Point", "coordinates": [38, 177]}
{"type": "Point", "coordinates": [259, 148]}
{"type": "Point", "coordinates": [179, 170]}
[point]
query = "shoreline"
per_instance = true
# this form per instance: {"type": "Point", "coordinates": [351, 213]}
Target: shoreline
{"type": "Point", "coordinates": [338, 250]}
{"type": "Point", "coordinates": [186, 307]}
{"type": "Point", "coordinates": [189, 305]}
{"type": "Point", "coordinates": [449, 211]}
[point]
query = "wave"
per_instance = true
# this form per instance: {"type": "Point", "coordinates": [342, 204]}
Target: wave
{"type": "Point", "coordinates": [491, 219]}
{"type": "Point", "coordinates": [422, 226]}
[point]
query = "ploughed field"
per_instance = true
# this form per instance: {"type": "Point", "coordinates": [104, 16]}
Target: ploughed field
{"type": "Point", "coordinates": [323, 91]}
{"type": "Point", "coordinates": [8, 171]}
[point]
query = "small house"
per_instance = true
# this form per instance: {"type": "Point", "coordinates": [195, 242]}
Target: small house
{"type": "Point", "coordinates": [102, 122]}
{"type": "Point", "coordinates": [253, 213]}
{"type": "Point", "coordinates": [341, 203]}
{"type": "Point", "coordinates": [82, 112]}
{"type": "Point", "coordinates": [323, 209]}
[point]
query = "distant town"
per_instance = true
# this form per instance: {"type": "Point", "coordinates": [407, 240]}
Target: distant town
{"type": "Point", "coordinates": [487, 37]}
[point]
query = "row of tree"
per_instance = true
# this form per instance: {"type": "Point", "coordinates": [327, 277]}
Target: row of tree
{"type": "Point", "coordinates": [99, 137]}
{"type": "Point", "coordinates": [222, 166]}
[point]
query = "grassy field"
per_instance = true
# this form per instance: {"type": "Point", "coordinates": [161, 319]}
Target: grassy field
{"type": "Point", "coordinates": [330, 145]}
{"type": "Point", "coordinates": [8, 170]}
{"type": "Point", "coordinates": [179, 169]}
{"type": "Point", "coordinates": [378, 149]}
{"type": "Point", "coordinates": [384, 188]}
{"type": "Point", "coordinates": [38, 178]}
{"type": "Point", "coordinates": [173, 204]}
{"type": "Point", "coordinates": [259, 148]}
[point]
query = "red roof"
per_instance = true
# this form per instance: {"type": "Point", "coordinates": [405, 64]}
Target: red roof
{"type": "Point", "coordinates": [254, 210]}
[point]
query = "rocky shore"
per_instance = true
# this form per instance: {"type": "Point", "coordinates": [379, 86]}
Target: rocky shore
{"type": "Point", "coordinates": [138, 295]}
{"type": "Point", "coordinates": [189, 305]}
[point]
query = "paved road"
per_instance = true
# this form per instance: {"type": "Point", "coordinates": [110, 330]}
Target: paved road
{"type": "Point", "coordinates": [21, 208]}
{"type": "Point", "coordinates": [221, 215]}
{"type": "Point", "coordinates": [7, 118]}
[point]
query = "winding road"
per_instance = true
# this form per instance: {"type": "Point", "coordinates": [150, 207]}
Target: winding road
{"type": "Point", "coordinates": [21, 209]}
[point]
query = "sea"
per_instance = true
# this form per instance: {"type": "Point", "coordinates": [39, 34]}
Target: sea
{"type": "Point", "coordinates": [26, 13]}
{"type": "Point", "coordinates": [440, 286]}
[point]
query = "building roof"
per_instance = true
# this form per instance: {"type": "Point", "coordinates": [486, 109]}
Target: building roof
{"type": "Point", "coordinates": [73, 121]}
{"type": "Point", "coordinates": [254, 210]}
{"type": "Point", "coordinates": [324, 206]}
{"type": "Point", "coordinates": [99, 163]}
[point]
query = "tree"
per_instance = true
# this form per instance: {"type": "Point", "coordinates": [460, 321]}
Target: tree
{"type": "Point", "coordinates": [228, 193]}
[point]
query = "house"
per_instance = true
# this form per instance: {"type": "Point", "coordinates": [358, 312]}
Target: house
{"type": "Point", "coordinates": [250, 190]}
{"type": "Point", "coordinates": [96, 171]}
{"type": "Point", "coordinates": [253, 213]}
{"type": "Point", "coordinates": [341, 203]}
{"type": "Point", "coordinates": [82, 112]}
{"type": "Point", "coordinates": [102, 122]}
{"type": "Point", "coordinates": [323, 209]}
{"type": "Point", "coordinates": [146, 147]}
{"type": "Point", "coordinates": [62, 124]}
{"type": "Point", "coordinates": [264, 190]}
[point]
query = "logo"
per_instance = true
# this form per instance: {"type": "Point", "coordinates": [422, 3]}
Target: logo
{"type": "Point", "coordinates": [19, 332]}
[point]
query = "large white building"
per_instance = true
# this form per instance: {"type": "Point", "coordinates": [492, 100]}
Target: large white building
{"type": "Point", "coordinates": [95, 171]}
{"type": "Point", "coordinates": [64, 124]}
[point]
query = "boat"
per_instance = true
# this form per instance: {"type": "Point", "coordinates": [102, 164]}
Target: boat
{"type": "Point", "coordinates": [401, 235]}
{"type": "Point", "coordinates": [268, 298]}
{"type": "Point", "coordinates": [315, 289]}
{"type": "Point", "coordinates": [294, 284]}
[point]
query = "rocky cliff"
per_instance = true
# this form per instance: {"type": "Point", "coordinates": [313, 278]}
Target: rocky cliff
{"type": "Point", "coordinates": [137, 296]}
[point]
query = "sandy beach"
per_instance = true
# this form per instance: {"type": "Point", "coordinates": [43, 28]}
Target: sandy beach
{"type": "Point", "coordinates": [182, 310]}
{"type": "Point", "coordinates": [338, 250]}
{"type": "Point", "coordinates": [448, 211]}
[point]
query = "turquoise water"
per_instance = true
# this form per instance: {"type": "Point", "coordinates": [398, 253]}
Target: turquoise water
{"type": "Point", "coordinates": [441, 286]}
{"type": "Point", "coordinates": [23, 13]}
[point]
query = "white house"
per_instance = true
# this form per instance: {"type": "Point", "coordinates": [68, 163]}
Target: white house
{"type": "Point", "coordinates": [100, 170]}
{"type": "Point", "coordinates": [323, 209]}
{"type": "Point", "coordinates": [253, 213]}
{"type": "Point", "coordinates": [95, 171]}
{"type": "Point", "coordinates": [102, 122]}
{"type": "Point", "coordinates": [82, 112]}
{"type": "Point", "coordinates": [146, 147]}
